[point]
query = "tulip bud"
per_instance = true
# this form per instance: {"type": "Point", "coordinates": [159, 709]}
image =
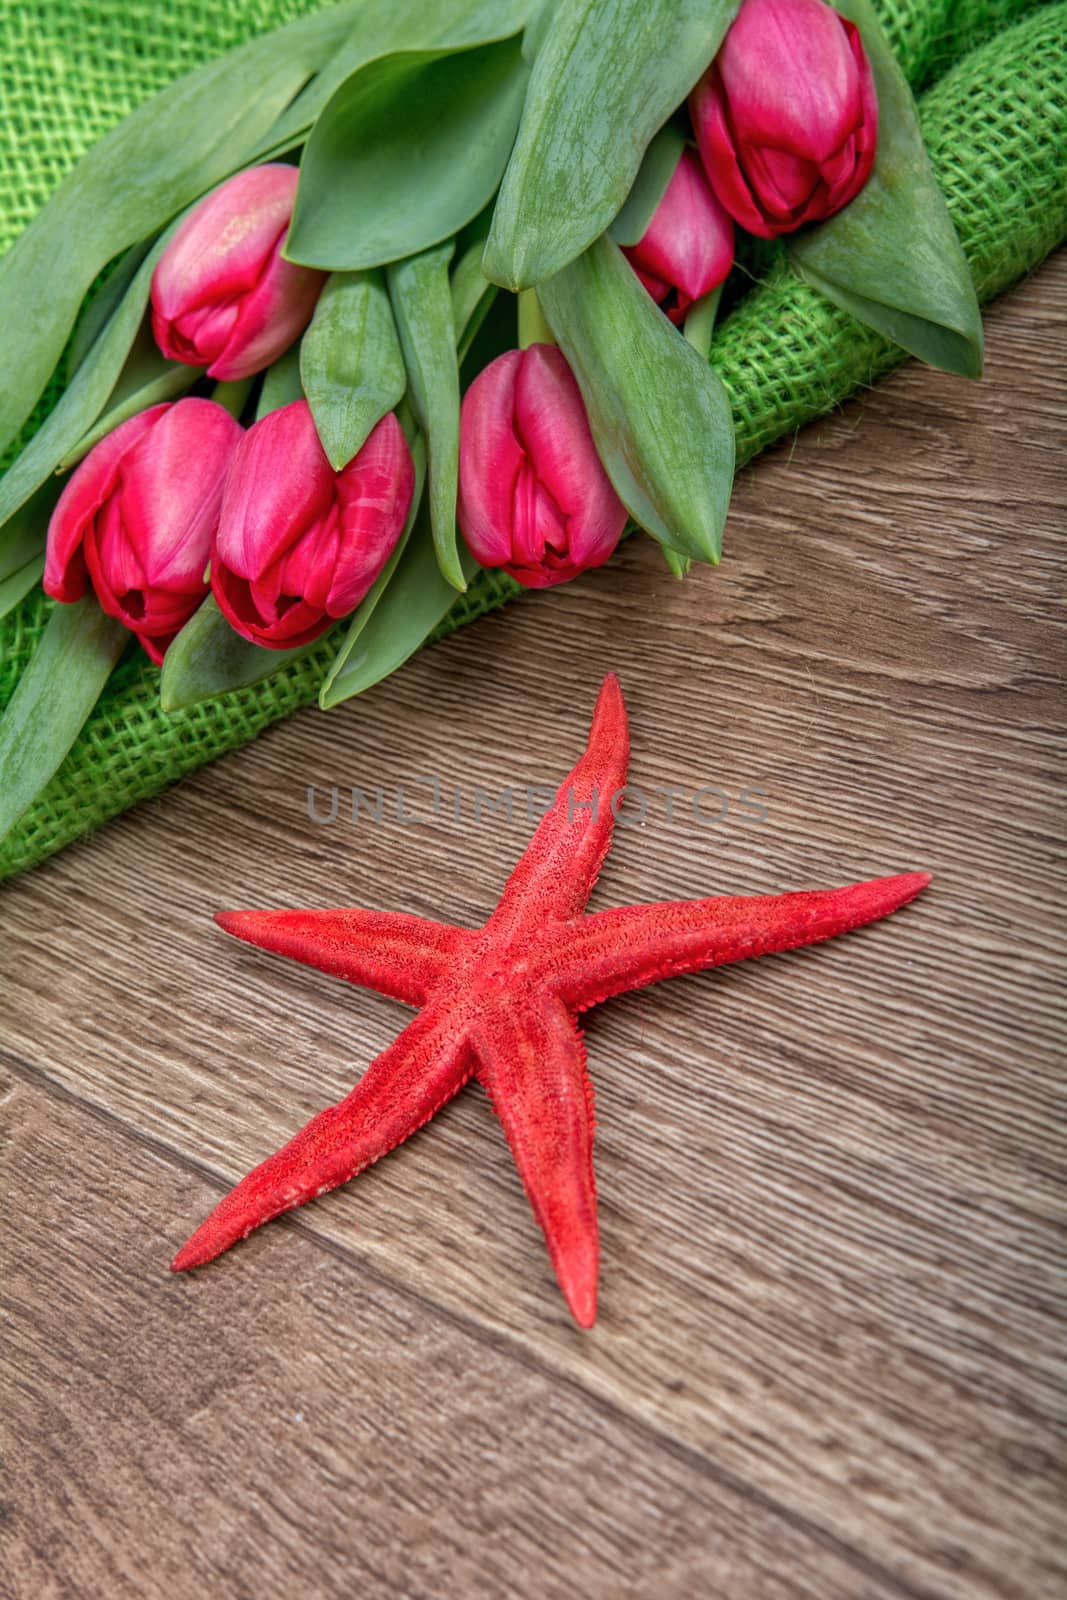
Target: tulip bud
{"type": "Point", "coordinates": [298, 545]}
{"type": "Point", "coordinates": [222, 296]}
{"type": "Point", "coordinates": [135, 520]}
{"type": "Point", "coordinates": [688, 247]}
{"type": "Point", "coordinates": [533, 496]}
{"type": "Point", "coordinates": [786, 117]}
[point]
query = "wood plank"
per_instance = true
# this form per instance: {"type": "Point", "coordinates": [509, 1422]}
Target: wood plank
{"type": "Point", "coordinates": [828, 1181]}
{"type": "Point", "coordinates": [314, 1431]}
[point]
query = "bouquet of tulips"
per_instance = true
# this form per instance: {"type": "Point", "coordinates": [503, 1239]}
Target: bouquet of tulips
{"type": "Point", "coordinates": [404, 291]}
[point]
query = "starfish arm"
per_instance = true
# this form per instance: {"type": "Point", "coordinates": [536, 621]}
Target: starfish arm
{"type": "Point", "coordinates": [560, 864]}
{"type": "Point", "coordinates": [401, 1089]}
{"type": "Point", "coordinates": [532, 1064]}
{"type": "Point", "coordinates": [402, 956]}
{"type": "Point", "coordinates": [631, 946]}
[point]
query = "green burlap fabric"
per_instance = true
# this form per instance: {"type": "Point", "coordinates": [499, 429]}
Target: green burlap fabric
{"type": "Point", "coordinates": [993, 78]}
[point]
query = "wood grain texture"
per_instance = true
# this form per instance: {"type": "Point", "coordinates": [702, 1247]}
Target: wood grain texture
{"type": "Point", "coordinates": [831, 1182]}
{"type": "Point", "coordinates": [162, 1446]}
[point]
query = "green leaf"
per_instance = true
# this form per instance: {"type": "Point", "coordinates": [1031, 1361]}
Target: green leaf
{"type": "Point", "coordinates": [16, 585]}
{"type": "Point", "coordinates": [22, 538]}
{"type": "Point", "coordinates": [678, 564]}
{"type": "Point", "coordinates": [409, 149]}
{"type": "Point", "coordinates": [700, 321]}
{"type": "Point", "coordinates": [208, 659]}
{"type": "Point", "coordinates": [473, 325]}
{"type": "Point", "coordinates": [660, 417]}
{"type": "Point", "coordinates": [159, 159]}
{"type": "Point", "coordinates": [53, 697]}
{"type": "Point", "coordinates": [101, 306]}
{"type": "Point", "coordinates": [469, 289]}
{"type": "Point", "coordinates": [537, 29]}
{"type": "Point", "coordinates": [281, 384]}
{"type": "Point", "coordinates": [81, 403]}
{"type": "Point", "coordinates": [146, 379]}
{"type": "Point", "coordinates": [383, 26]}
{"type": "Point", "coordinates": [608, 74]}
{"type": "Point", "coordinates": [229, 113]}
{"type": "Point", "coordinates": [472, 293]}
{"type": "Point", "coordinates": [401, 619]}
{"type": "Point", "coordinates": [22, 546]}
{"type": "Point", "coordinates": [489, 334]}
{"type": "Point", "coordinates": [650, 185]}
{"type": "Point", "coordinates": [422, 301]}
{"type": "Point", "coordinates": [892, 257]}
{"type": "Point", "coordinates": [351, 364]}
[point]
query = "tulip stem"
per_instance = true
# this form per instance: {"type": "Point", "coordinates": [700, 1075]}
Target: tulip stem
{"type": "Point", "coordinates": [406, 418]}
{"type": "Point", "coordinates": [533, 329]}
{"type": "Point", "coordinates": [233, 396]}
{"type": "Point", "coordinates": [281, 384]}
{"type": "Point", "coordinates": [700, 322]}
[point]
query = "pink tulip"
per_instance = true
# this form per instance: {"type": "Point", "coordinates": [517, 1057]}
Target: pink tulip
{"type": "Point", "coordinates": [136, 519]}
{"type": "Point", "coordinates": [533, 496]}
{"type": "Point", "coordinates": [298, 545]}
{"type": "Point", "coordinates": [222, 296]}
{"type": "Point", "coordinates": [786, 117]}
{"type": "Point", "coordinates": [688, 247]}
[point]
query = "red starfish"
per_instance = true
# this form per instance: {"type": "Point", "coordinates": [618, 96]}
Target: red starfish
{"type": "Point", "coordinates": [501, 1002]}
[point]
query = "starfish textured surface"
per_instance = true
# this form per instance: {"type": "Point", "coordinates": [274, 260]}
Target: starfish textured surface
{"type": "Point", "coordinates": [501, 1003]}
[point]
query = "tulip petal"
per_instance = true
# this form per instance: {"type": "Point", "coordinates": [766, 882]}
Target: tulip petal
{"type": "Point", "coordinates": [719, 155]}
{"type": "Point", "coordinates": [790, 77]}
{"type": "Point", "coordinates": [156, 645]}
{"type": "Point", "coordinates": [222, 296]}
{"type": "Point", "coordinates": [786, 117]}
{"type": "Point", "coordinates": [148, 543]}
{"type": "Point", "coordinates": [307, 568]}
{"type": "Point", "coordinates": [117, 575]}
{"type": "Point", "coordinates": [299, 625]}
{"type": "Point", "coordinates": [689, 244]}
{"type": "Point", "coordinates": [278, 486]}
{"type": "Point", "coordinates": [866, 135]}
{"type": "Point", "coordinates": [375, 490]}
{"type": "Point", "coordinates": [270, 318]}
{"type": "Point", "coordinates": [539, 528]}
{"type": "Point", "coordinates": [197, 334]}
{"type": "Point", "coordinates": [171, 491]}
{"type": "Point", "coordinates": [655, 286]}
{"type": "Point", "coordinates": [297, 545]}
{"type": "Point", "coordinates": [784, 182]}
{"type": "Point", "coordinates": [551, 422]}
{"type": "Point", "coordinates": [219, 250]}
{"type": "Point", "coordinates": [65, 574]}
{"type": "Point", "coordinates": [490, 460]}
{"type": "Point", "coordinates": [534, 497]}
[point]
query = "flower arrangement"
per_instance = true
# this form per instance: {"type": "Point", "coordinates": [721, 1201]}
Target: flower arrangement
{"type": "Point", "coordinates": [394, 302]}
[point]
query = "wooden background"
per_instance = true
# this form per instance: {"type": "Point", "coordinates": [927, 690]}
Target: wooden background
{"type": "Point", "coordinates": [828, 1360]}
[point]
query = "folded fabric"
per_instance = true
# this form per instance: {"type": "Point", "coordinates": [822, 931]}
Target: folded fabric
{"type": "Point", "coordinates": [995, 131]}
